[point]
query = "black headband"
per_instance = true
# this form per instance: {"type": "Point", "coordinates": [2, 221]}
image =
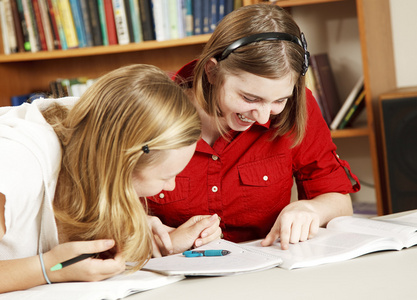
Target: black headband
{"type": "Point", "coordinates": [268, 36]}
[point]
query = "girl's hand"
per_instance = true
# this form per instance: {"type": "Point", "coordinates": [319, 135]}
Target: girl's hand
{"type": "Point", "coordinates": [197, 231]}
{"type": "Point", "coordinates": [300, 220]}
{"type": "Point", "coordinates": [90, 269]}
{"type": "Point", "coordinates": [161, 241]}
{"type": "Point", "coordinates": [297, 222]}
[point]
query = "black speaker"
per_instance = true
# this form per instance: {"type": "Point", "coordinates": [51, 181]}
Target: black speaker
{"type": "Point", "coordinates": [399, 135]}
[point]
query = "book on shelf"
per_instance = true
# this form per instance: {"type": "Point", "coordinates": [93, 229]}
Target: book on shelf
{"type": "Point", "coordinates": [135, 27]}
{"type": "Point", "coordinates": [120, 19]}
{"type": "Point", "coordinates": [47, 25]}
{"type": "Point", "coordinates": [214, 14]}
{"type": "Point", "coordinates": [206, 8]}
{"type": "Point", "coordinates": [353, 111]}
{"type": "Point", "coordinates": [17, 26]}
{"type": "Point", "coordinates": [4, 32]}
{"type": "Point", "coordinates": [107, 22]}
{"type": "Point", "coordinates": [86, 22]}
{"type": "Point", "coordinates": [237, 3]}
{"type": "Point", "coordinates": [9, 14]}
{"type": "Point", "coordinates": [78, 22]}
{"type": "Point", "coordinates": [44, 36]}
{"type": "Point", "coordinates": [197, 17]}
{"type": "Point", "coordinates": [63, 87]}
{"type": "Point", "coordinates": [354, 93]}
{"type": "Point", "coordinates": [146, 19]}
{"type": "Point", "coordinates": [93, 12]}
{"type": "Point", "coordinates": [160, 22]}
{"type": "Point", "coordinates": [229, 5]}
{"type": "Point", "coordinates": [20, 99]}
{"type": "Point", "coordinates": [56, 39]}
{"type": "Point", "coordinates": [67, 21]}
{"type": "Point", "coordinates": [31, 25]}
{"type": "Point", "coordinates": [326, 86]}
{"type": "Point", "coordinates": [23, 30]}
{"type": "Point", "coordinates": [312, 85]}
{"type": "Point", "coordinates": [57, 24]}
{"type": "Point", "coordinates": [181, 16]}
{"type": "Point", "coordinates": [189, 23]}
{"type": "Point", "coordinates": [173, 19]}
{"type": "Point", "coordinates": [40, 31]}
{"type": "Point", "coordinates": [102, 22]}
{"type": "Point", "coordinates": [50, 29]}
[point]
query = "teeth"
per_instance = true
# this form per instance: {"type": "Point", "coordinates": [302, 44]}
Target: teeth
{"type": "Point", "coordinates": [242, 118]}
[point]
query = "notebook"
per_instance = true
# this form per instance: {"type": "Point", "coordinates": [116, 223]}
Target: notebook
{"type": "Point", "coordinates": [241, 260]}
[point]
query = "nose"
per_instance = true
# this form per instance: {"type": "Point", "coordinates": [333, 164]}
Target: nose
{"type": "Point", "coordinates": [262, 113]}
{"type": "Point", "coordinates": [170, 185]}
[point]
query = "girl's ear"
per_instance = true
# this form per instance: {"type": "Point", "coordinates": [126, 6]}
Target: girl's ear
{"type": "Point", "coordinates": [209, 69]}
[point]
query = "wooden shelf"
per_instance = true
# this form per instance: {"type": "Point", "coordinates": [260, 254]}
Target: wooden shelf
{"type": "Point", "coordinates": [291, 3]}
{"type": "Point", "coordinates": [103, 50]}
{"type": "Point", "coordinates": [351, 132]}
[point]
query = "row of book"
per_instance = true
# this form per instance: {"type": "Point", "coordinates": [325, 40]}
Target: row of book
{"type": "Point", "coordinates": [320, 80]}
{"type": "Point", "coordinates": [44, 25]}
{"type": "Point", "coordinates": [61, 87]}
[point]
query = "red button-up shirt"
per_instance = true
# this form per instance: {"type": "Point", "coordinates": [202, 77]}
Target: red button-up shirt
{"type": "Point", "coordinates": [248, 181]}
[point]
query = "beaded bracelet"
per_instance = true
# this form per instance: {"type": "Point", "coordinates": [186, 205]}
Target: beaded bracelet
{"type": "Point", "coordinates": [43, 269]}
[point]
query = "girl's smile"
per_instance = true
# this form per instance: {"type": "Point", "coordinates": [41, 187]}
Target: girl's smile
{"type": "Point", "coordinates": [251, 98]}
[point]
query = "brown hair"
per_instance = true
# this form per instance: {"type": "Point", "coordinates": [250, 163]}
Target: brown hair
{"type": "Point", "coordinates": [270, 59]}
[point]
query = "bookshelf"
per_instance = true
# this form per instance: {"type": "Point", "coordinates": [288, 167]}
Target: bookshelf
{"type": "Point", "coordinates": [22, 73]}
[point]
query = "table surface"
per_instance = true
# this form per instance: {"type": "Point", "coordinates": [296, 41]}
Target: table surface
{"type": "Point", "coordinates": [381, 275]}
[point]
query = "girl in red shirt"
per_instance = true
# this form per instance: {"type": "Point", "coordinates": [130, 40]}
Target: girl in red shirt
{"type": "Point", "coordinates": [262, 129]}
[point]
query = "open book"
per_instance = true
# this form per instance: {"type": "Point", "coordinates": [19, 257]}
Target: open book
{"type": "Point", "coordinates": [343, 239]}
{"type": "Point", "coordinates": [240, 260]}
{"type": "Point", "coordinates": [117, 287]}
{"type": "Point", "coordinates": [346, 238]}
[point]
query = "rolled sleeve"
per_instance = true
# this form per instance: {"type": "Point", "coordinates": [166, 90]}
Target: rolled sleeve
{"type": "Point", "coordinates": [318, 168]}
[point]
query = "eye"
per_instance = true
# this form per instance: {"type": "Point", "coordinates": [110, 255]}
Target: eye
{"type": "Point", "coordinates": [249, 99]}
{"type": "Point", "coordinates": [280, 101]}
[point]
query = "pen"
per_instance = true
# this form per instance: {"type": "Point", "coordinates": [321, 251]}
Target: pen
{"type": "Point", "coordinates": [72, 261]}
{"type": "Point", "coordinates": [198, 253]}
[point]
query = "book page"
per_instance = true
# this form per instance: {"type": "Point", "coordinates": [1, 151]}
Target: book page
{"type": "Point", "coordinates": [327, 246]}
{"type": "Point", "coordinates": [409, 219]}
{"type": "Point", "coordinates": [240, 260]}
{"type": "Point", "coordinates": [387, 228]}
{"type": "Point", "coordinates": [117, 287]}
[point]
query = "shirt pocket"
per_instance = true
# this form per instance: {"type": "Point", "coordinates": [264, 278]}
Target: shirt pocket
{"type": "Point", "coordinates": [266, 184]}
{"type": "Point", "coordinates": [265, 172]}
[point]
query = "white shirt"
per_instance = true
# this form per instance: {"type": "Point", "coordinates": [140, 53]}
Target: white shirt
{"type": "Point", "coordinates": [30, 161]}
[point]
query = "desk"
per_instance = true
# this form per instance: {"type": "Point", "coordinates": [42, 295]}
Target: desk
{"type": "Point", "coordinates": [384, 275]}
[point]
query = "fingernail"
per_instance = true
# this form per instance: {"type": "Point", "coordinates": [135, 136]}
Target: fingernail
{"type": "Point", "coordinates": [204, 234]}
{"type": "Point", "coordinates": [198, 243]}
{"type": "Point", "coordinates": [109, 243]}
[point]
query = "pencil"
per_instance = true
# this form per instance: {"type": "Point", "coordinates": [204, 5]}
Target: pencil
{"type": "Point", "coordinates": [72, 261]}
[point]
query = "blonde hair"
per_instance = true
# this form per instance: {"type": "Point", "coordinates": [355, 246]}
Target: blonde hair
{"type": "Point", "coordinates": [102, 138]}
{"type": "Point", "coordinates": [270, 59]}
